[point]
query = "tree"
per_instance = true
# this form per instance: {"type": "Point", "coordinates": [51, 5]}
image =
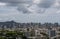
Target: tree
{"type": "Point", "coordinates": [24, 37]}
{"type": "Point", "coordinates": [45, 35]}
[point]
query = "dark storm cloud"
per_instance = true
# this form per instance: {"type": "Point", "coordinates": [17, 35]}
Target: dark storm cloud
{"type": "Point", "coordinates": [43, 3]}
{"type": "Point", "coordinates": [16, 2]}
{"type": "Point", "coordinates": [46, 3]}
{"type": "Point", "coordinates": [19, 3]}
{"type": "Point", "coordinates": [21, 7]}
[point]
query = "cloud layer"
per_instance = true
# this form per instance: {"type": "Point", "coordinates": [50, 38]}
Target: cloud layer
{"type": "Point", "coordinates": [20, 4]}
{"type": "Point", "coordinates": [40, 10]}
{"type": "Point", "coordinates": [46, 3]}
{"type": "Point", "coordinates": [24, 5]}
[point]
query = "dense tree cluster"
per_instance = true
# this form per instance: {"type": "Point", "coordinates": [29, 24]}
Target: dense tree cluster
{"type": "Point", "coordinates": [6, 34]}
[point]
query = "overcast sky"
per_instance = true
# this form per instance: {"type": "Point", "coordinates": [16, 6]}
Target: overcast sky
{"type": "Point", "coordinates": [30, 10]}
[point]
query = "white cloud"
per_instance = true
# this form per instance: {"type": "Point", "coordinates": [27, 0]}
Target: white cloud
{"type": "Point", "coordinates": [2, 4]}
{"type": "Point", "coordinates": [36, 1]}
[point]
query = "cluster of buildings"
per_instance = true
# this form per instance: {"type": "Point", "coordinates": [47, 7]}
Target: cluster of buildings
{"type": "Point", "coordinates": [39, 33]}
{"type": "Point", "coordinates": [34, 30]}
{"type": "Point", "coordinates": [42, 33]}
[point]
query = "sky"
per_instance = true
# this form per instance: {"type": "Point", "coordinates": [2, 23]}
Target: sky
{"type": "Point", "coordinates": [30, 11]}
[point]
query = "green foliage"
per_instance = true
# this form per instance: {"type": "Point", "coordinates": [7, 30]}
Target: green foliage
{"type": "Point", "coordinates": [20, 33]}
{"type": "Point", "coordinates": [3, 38]}
{"type": "Point", "coordinates": [12, 34]}
{"type": "Point", "coordinates": [55, 38]}
{"type": "Point", "coordinates": [12, 38]}
{"type": "Point", "coordinates": [24, 37]}
{"type": "Point", "coordinates": [27, 29]}
{"type": "Point", "coordinates": [44, 34]}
